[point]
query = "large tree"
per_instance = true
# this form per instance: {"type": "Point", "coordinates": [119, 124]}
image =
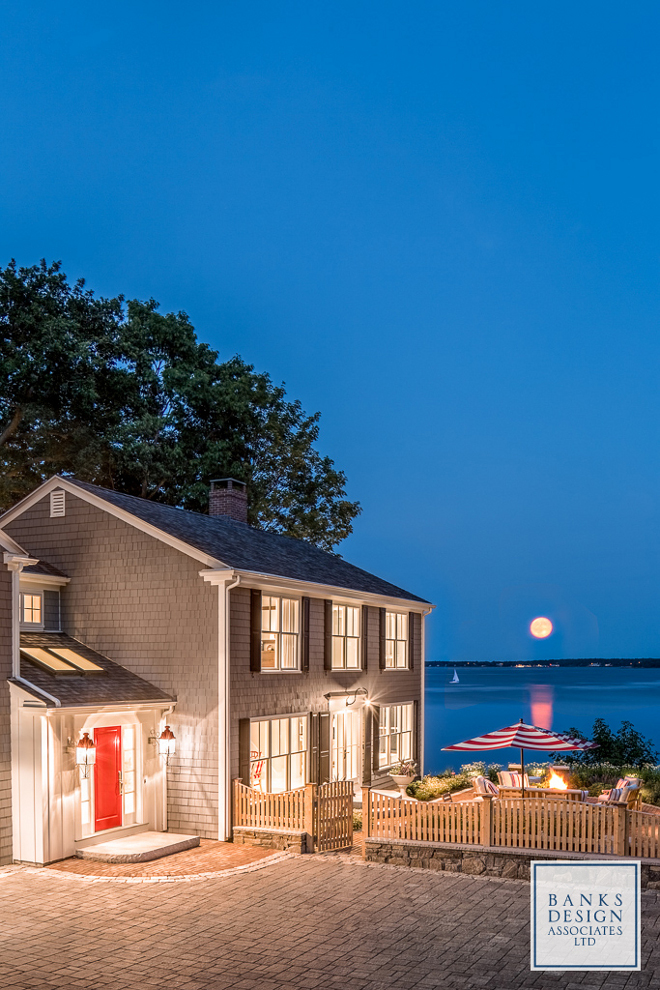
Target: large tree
{"type": "Point", "coordinates": [121, 395]}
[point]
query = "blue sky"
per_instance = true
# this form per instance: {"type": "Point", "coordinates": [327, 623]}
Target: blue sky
{"type": "Point", "coordinates": [437, 223]}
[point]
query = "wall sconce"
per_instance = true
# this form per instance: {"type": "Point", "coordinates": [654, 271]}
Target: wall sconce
{"type": "Point", "coordinates": [166, 744]}
{"type": "Point", "coordinates": [85, 754]}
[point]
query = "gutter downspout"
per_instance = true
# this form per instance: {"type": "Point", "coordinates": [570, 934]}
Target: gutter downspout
{"type": "Point", "coordinates": [33, 687]}
{"type": "Point", "coordinates": [224, 721]}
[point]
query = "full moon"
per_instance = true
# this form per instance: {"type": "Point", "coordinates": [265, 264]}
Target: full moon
{"type": "Point", "coordinates": [540, 627]}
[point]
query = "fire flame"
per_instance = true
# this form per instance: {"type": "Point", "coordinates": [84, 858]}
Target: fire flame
{"type": "Point", "coordinates": [557, 782]}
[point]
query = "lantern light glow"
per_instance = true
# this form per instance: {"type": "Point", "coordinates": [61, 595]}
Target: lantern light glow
{"type": "Point", "coordinates": [85, 754]}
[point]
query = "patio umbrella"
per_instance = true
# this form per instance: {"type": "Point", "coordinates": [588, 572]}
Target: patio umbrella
{"type": "Point", "coordinates": [522, 737]}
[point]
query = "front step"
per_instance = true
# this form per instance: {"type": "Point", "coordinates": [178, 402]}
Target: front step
{"type": "Point", "coordinates": [138, 848]}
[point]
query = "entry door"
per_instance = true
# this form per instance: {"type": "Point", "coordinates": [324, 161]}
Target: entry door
{"type": "Point", "coordinates": [107, 777]}
{"type": "Point", "coordinates": [346, 746]}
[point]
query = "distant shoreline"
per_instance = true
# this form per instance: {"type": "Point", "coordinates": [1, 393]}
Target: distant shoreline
{"type": "Point", "coordinates": [593, 662]}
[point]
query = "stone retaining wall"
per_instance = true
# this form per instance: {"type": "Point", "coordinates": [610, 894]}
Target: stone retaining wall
{"type": "Point", "coordinates": [489, 861]}
{"type": "Point", "coordinates": [284, 840]}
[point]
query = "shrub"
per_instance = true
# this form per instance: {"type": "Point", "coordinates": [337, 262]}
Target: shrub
{"type": "Point", "coordinates": [433, 786]}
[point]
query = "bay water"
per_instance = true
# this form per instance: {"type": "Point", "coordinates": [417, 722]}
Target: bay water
{"type": "Point", "coordinates": [556, 698]}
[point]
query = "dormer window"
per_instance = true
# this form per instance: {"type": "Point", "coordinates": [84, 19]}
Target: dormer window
{"type": "Point", "coordinates": [31, 609]}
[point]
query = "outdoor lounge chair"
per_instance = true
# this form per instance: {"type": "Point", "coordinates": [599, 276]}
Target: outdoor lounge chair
{"type": "Point", "coordinates": [628, 790]}
{"type": "Point", "coordinates": [508, 778]}
{"type": "Point", "coordinates": [484, 786]}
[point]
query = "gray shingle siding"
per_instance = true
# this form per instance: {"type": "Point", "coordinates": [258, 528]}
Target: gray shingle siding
{"type": "Point", "coordinates": [5, 722]}
{"type": "Point", "coordinates": [143, 604]}
{"type": "Point", "coordinates": [264, 694]}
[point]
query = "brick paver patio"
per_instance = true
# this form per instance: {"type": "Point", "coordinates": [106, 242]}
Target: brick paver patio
{"type": "Point", "coordinates": [310, 923]}
{"type": "Point", "coordinates": [208, 857]}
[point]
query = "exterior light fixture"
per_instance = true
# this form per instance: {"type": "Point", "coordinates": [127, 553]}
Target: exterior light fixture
{"type": "Point", "coordinates": [85, 754]}
{"type": "Point", "coordinates": [167, 744]}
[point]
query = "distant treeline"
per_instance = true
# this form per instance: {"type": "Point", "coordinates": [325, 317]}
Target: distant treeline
{"type": "Point", "coordinates": [595, 661]}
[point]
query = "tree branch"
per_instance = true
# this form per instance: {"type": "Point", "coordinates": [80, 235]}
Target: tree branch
{"type": "Point", "coordinates": [13, 426]}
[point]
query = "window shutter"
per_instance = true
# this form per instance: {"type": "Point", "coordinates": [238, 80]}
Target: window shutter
{"type": "Point", "coordinates": [412, 639]}
{"type": "Point", "coordinates": [244, 750]}
{"type": "Point", "coordinates": [324, 747]}
{"type": "Point", "coordinates": [381, 638]}
{"type": "Point", "coordinates": [415, 738]}
{"type": "Point", "coordinates": [367, 722]}
{"type": "Point", "coordinates": [365, 636]}
{"type": "Point", "coordinates": [304, 635]}
{"type": "Point", "coordinates": [327, 635]}
{"type": "Point", "coordinates": [255, 631]}
{"type": "Point", "coordinates": [375, 735]}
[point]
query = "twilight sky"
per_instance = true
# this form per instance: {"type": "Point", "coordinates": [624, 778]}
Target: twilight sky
{"type": "Point", "coordinates": [437, 223]}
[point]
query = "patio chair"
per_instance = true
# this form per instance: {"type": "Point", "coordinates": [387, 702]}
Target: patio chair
{"type": "Point", "coordinates": [628, 790]}
{"type": "Point", "coordinates": [508, 778]}
{"type": "Point", "coordinates": [485, 787]}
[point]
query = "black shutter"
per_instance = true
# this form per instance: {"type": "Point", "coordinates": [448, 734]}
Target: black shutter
{"type": "Point", "coordinates": [412, 639]}
{"type": "Point", "coordinates": [381, 638]}
{"type": "Point", "coordinates": [255, 631]}
{"type": "Point", "coordinates": [304, 635]}
{"type": "Point", "coordinates": [375, 734]}
{"type": "Point", "coordinates": [415, 738]}
{"type": "Point", "coordinates": [367, 723]}
{"type": "Point", "coordinates": [324, 747]}
{"type": "Point", "coordinates": [365, 636]}
{"type": "Point", "coordinates": [327, 635]}
{"type": "Point", "coordinates": [244, 750]}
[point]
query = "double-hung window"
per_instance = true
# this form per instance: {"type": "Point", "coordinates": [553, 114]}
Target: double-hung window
{"type": "Point", "coordinates": [31, 610]}
{"type": "Point", "coordinates": [345, 637]}
{"type": "Point", "coordinates": [280, 618]}
{"type": "Point", "coordinates": [395, 734]}
{"type": "Point", "coordinates": [396, 639]}
{"type": "Point", "coordinates": [278, 753]}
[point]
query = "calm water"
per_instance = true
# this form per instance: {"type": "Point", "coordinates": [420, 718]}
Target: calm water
{"type": "Point", "coordinates": [552, 697]}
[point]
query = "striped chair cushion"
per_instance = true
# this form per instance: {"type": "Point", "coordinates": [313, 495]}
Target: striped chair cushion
{"type": "Point", "coordinates": [509, 778]}
{"type": "Point", "coordinates": [485, 786]}
{"type": "Point", "coordinates": [615, 794]}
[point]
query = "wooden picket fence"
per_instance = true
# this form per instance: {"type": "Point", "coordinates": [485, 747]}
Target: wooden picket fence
{"type": "Point", "coordinates": [324, 811]}
{"type": "Point", "coordinates": [535, 823]}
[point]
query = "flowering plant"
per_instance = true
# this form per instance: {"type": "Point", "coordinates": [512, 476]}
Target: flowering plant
{"type": "Point", "coordinates": [406, 768]}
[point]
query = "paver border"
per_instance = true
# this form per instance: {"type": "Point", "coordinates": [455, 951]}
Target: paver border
{"type": "Point", "coordinates": [44, 871]}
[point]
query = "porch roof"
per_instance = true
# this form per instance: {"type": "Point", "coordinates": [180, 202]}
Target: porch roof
{"type": "Point", "coordinates": [113, 684]}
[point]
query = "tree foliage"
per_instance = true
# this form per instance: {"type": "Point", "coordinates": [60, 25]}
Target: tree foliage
{"type": "Point", "coordinates": [625, 748]}
{"type": "Point", "coordinates": [121, 395]}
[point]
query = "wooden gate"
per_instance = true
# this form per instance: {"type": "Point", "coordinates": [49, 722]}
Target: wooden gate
{"type": "Point", "coordinates": [333, 813]}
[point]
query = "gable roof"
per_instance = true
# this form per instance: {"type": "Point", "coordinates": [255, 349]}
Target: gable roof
{"type": "Point", "coordinates": [243, 548]}
{"type": "Point", "coordinates": [115, 685]}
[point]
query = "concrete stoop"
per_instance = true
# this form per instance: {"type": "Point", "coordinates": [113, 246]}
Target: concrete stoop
{"type": "Point", "coordinates": [139, 848]}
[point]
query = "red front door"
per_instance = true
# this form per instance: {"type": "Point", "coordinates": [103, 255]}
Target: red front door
{"type": "Point", "coordinates": [107, 774]}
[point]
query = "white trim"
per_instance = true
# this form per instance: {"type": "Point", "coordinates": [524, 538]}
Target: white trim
{"type": "Point", "coordinates": [225, 581]}
{"type": "Point", "coordinates": [6, 543]}
{"type": "Point", "coordinates": [113, 510]}
{"type": "Point", "coordinates": [284, 586]}
{"type": "Point", "coordinates": [44, 580]}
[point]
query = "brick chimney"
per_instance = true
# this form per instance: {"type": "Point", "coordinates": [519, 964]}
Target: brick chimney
{"type": "Point", "coordinates": [228, 497]}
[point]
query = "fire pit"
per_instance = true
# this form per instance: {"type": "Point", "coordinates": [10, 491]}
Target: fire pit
{"type": "Point", "coordinates": [559, 777]}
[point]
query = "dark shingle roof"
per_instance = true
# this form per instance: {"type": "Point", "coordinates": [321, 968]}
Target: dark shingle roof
{"type": "Point", "coordinates": [116, 684]}
{"type": "Point", "coordinates": [43, 567]}
{"type": "Point", "coordinates": [244, 548]}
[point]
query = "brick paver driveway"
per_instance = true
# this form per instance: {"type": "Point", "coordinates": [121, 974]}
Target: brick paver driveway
{"type": "Point", "coordinates": [304, 922]}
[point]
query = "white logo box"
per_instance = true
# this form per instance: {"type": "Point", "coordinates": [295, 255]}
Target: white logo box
{"type": "Point", "coordinates": [586, 914]}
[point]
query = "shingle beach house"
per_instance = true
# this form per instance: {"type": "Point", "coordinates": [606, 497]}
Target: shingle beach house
{"type": "Point", "coordinates": [269, 660]}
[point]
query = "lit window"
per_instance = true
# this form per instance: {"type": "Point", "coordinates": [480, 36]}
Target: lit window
{"type": "Point", "coordinates": [396, 734]}
{"type": "Point", "coordinates": [345, 636]}
{"type": "Point", "coordinates": [279, 633]}
{"type": "Point", "coordinates": [278, 754]}
{"type": "Point", "coordinates": [396, 639]}
{"type": "Point", "coordinates": [31, 609]}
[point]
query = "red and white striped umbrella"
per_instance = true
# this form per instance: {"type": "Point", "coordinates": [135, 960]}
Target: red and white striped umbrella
{"type": "Point", "coordinates": [524, 736]}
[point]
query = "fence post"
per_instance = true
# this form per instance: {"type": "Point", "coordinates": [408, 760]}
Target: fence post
{"type": "Point", "coordinates": [309, 814]}
{"type": "Point", "coordinates": [366, 812]}
{"type": "Point", "coordinates": [486, 836]}
{"type": "Point", "coordinates": [621, 829]}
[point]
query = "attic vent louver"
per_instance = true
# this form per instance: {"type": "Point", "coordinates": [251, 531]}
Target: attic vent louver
{"type": "Point", "coordinates": [57, 504]}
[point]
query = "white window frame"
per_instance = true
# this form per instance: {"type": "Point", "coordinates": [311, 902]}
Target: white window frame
{"type": "Point", "coordinates": [405, 736]}
{"type": "Point", "coordinates": [279, 635]}
{"type": "Point", "coordinates": [23, 621]}
{"type": "Point", "coordinates": [256, 757]}
{"type": "Point", "coordinates": [340, 640]}
{"type": "Point", "coordinates": [393, 653]}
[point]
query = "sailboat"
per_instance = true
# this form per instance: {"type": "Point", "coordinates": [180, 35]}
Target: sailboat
{"type": "Point", "coordinates": [454, 679]}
